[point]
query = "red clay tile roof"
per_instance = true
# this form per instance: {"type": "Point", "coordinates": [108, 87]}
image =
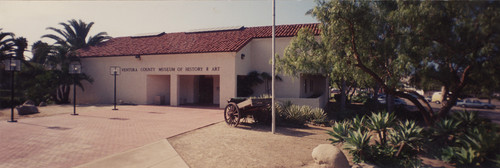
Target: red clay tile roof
{"type": "Point", "coordinates": [181, 43]}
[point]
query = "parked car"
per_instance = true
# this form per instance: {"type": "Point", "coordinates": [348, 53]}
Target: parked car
{"type": "Point", "coordinates": [437, 97]}
{"type": "Point", "coordinates": [397, 101]}
{"type": "Point", "coordinates": [428, 98]}
{"type": "Point", "coordinates": [474, 104]}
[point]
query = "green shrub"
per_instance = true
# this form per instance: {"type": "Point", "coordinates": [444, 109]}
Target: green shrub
{"type": "Point", "coordinates": [318, 116]}
{"type": "Point", "coordinates": [281, 108]}
{"type": "Point", "coordinates": [5, 102]}
{"type": "Point", "coordinates": [359, 123]}
{"type": "Point", "coordinates": [297, 115]}
{"type": "Point", "coordinates": [358, 144]}
{"type": "Point", "coordinates": [380, 122]}
{"type": "Point", "coordinates": [361, 97]}
{"type": "Point", "coordinates": [293, 114]}
{"type": "Point", "coordinates": [469, 119]}
{"type": "Point", "coordinates": [405, 139]}
{"type": "Point", "coordinates": [406, 136]}
{"type": "Point", "coordinates": [383, 156]}
{"type": "Point", "coordinates": [445, 131]}
{"type": "Point", "coordinates": [467, 140]}
{"type": "Point", "coordinates": [340, 132]}
{"type": "Point", "coordinates": [300, 115]}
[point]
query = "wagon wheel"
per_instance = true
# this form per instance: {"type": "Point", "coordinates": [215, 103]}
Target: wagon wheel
{"type": "Point", "coordinates": [232, 114]}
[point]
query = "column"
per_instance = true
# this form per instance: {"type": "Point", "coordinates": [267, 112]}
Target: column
{"type": "Point", "coordinates": [227, 89]}
{"type": "Point", "coordinates": [174, 90]}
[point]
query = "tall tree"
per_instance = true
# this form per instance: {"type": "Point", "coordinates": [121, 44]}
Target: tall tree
{"type": "Point", "coordinates": [307, 54]}
{"type": "Point", "coordinates": [20, 44]}
{"type": "Point", "coordinates": [72, 37]}
{"type": "Point", "coordinates": [391, 41]}
{"type": "Point", "coordinates": [463, 41]}
{"type": "Point", "coordinates": [5, 44]}
{"type": "Point", "coordinates": [41, 51]}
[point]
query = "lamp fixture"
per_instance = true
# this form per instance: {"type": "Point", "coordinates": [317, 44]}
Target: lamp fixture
{"type": "Point", "coordinates": [138, 57]}
{"type": "Point", "coordinates": [242, 56]}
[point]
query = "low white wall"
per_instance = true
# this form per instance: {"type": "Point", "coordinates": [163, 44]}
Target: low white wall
{"type": "Point", "coordinates": [313, 102]}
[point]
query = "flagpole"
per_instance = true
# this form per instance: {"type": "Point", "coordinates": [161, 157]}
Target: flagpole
{"type": "Point", "coordinates": [273, 108]}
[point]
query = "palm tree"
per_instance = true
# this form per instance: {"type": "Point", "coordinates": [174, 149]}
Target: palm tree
{"type": "Point", "coordinates": [5, 44]}
{"type": "Point", "coordinates": [68, 40]}
{"type": "Point", "coordinates": [21, 44]}
{"type": "Point", "coordinates": [5, 53]}
{"type": "Point", "coordinates": [74, 34]}
{"type": "Point", "coordinates": [40, 52]}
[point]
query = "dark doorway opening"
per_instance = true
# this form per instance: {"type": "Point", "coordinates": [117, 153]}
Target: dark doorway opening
{"type": "Point", "coordinates": [206, 90]}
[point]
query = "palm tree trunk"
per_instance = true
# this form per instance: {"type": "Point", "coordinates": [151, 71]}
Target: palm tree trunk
{"type": "Point", "coordinates": [63, 94]}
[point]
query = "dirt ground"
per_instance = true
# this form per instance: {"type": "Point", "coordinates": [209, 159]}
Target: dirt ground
{"type": "Point", "coordinates": [249, 145]}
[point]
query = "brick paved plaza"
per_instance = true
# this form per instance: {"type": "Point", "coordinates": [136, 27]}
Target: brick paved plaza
{"type": "Point", "coordinates": [65, 140]}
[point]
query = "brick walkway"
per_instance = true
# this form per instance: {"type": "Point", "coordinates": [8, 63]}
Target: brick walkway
{"type": "Point", "coordinates": [65, 140]}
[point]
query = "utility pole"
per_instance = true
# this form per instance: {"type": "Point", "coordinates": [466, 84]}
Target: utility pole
{"type": "Point", "coordinates": [273, 125]}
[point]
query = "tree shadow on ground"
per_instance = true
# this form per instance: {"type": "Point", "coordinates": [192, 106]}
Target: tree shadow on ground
{"type": "Point", "coordinates": [281, 129]}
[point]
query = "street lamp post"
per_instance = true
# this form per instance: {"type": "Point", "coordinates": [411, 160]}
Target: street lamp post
{"type": "Point", "coordinates": [115, 70]}
{"type": "Point", "coordinates": [75, 69]}
{"type": "Point", "coordinates": [12, 65]}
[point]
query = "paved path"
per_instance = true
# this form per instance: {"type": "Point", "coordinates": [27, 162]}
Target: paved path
{"type": "Point", "coordinates": [66, 140]}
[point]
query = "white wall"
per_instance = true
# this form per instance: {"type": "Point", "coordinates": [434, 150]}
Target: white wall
{"type": "Point", "coordinates": [130, 88]}
{"type": "Point", "coordinates": [243, 66]}
{"type": "Point", "coordinates": [158, 85]}
{"type": "Point", "coordinates": [136, 87]}
{"type": "Point", "coordinates": [290, 88]}
{"type": "Point", "coordinates": [216, 89]}
{"type": "Point", "coordinates": [132, 85]}
{"type": "Point", "coordinates": [261, 57]}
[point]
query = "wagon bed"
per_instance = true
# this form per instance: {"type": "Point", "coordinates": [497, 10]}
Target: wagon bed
{"type": "Point", "coordinates": [238, 108]}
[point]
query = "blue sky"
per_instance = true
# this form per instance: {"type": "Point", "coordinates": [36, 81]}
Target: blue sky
{"type": "Point", "coordinates": [30, 19]}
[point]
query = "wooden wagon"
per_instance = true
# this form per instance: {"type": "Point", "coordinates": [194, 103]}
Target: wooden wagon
{"type": "Point", "coordinates": [240, 108]}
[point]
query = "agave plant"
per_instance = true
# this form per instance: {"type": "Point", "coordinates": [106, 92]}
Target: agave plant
{"type": "Point", "coordinates": [318, 116]}
{"type": "Point", "coordinates": [468, 119]}
{"type": "Point", "coordinates": [406, 134]}
{"type": "Point", "coordinates": [466, 157]}
{"type": "Point", "coordinates": [446, 130]}
{"type": "Point", "coordinates": [380, 122]}
{"type": "Point", "coordinates": [359, 123]}
{"type": "Point", "coordinates": [358, 144]}
{"type": "Point", "coordinates": [340, 132]}
{"type": "Point", "coordinates": [282, 109]}
{"type": "Point", "coordinates": [481, 140]}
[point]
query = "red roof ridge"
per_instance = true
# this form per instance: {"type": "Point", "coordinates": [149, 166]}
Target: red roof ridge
{"type": "Point", "coordinates": [231, 40]}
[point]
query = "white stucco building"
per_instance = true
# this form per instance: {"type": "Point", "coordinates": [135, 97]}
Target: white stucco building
{"type": "Point", "coordinates": [198, 67]}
